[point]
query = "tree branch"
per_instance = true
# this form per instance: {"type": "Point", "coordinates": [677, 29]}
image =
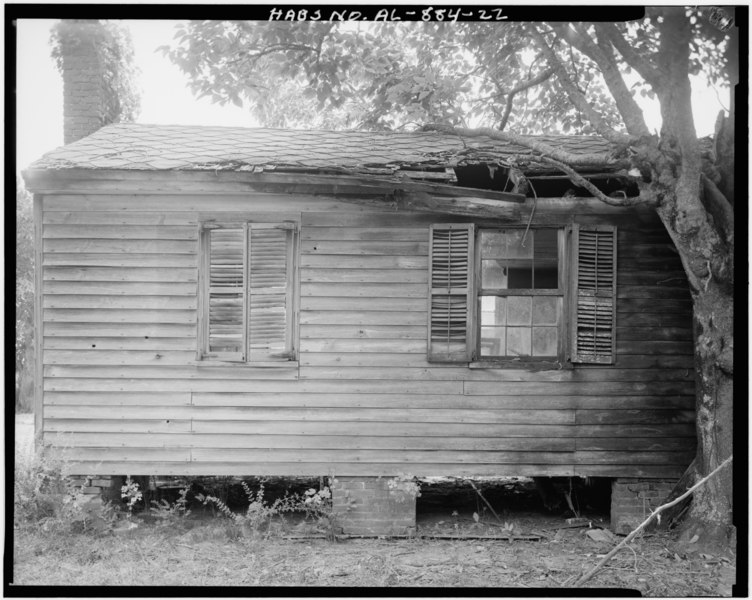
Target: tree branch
{"type": "Point", "coordinates": [579, 180]}
{"type": "Point", "coordinates": [595, 160]}
{"type": "Point", "coordinates": [575, 95]}
{"type": "Point", "coordinates": [521, 88]}
{"type": "Point", "coordinates": [648, 72]}
{"type": "Point", "coordinates": [604, 58]}
{"type": "Point", "coordinates": [247, 56]}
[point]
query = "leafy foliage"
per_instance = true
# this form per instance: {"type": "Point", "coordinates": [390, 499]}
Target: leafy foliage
{"type": "Point", "coordinates": [405, 74]}
{"type": "Point", "coordinates": [24, 354]}
{"type": "Point", "coordinates": [44, 496]}
{"type": "Point", "coordinates": [114, 49]}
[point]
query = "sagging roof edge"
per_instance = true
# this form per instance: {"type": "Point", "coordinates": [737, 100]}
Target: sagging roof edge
{"type": "Point", "coordinates": [47, 181]}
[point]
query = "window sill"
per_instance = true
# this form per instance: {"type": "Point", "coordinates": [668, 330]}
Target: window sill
{"type": "Point", "coordinates": [270, 364]}
{"type": "Point", "coordinates": [513, 363]}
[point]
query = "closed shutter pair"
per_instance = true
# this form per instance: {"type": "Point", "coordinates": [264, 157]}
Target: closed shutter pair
{"type": "Point", "coordinates": [592, 293]}
{"type": "Point", "coordinates": [247, 291]}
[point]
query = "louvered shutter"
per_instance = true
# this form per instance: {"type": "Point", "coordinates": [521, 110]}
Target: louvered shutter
{"type": "Point", "coordinates": [594, 295]}
{"type": "Point", "coordinates": [225, 336]}
{"type": "Point", "coordinates": [451, 295]}
{"type": "Point", "coordinates": [269, 291]}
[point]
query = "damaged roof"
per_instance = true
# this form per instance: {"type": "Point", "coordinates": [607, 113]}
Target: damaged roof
{"type": "Point", "coordinates": [135, 146]}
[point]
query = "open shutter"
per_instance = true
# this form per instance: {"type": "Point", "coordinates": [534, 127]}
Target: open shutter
{"type": "Point", "coordinates": [225, 335]}
{"type": "Point", "coordinates": [451, 295]}
{"type": "Point", "coordinates": [594, 295]}
{"type": "Point", "coordinates": [270, 291]}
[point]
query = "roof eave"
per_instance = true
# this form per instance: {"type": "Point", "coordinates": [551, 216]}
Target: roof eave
{"type": "Point", "coordinates": [49, 181]}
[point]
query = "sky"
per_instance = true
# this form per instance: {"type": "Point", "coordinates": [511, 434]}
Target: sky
{"type": "Point", "coordinates": [166, 98]}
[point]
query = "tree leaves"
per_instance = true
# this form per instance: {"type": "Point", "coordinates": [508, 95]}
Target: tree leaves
{"type": "Point", "coordinates": [399, 74]}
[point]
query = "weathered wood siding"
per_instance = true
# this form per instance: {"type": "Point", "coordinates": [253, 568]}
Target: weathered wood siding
{"type": "Point", "coordinates": [123, 392]}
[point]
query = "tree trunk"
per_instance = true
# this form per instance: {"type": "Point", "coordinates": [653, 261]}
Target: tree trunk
{"type": "Point", "coordinates": [706, 258]}
{"type": "Point", "coordinates": [710, 515]}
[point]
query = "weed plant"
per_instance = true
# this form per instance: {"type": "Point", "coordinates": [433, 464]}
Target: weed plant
{"type": "Point", "coordinates": [168, 513]}
{"type": "Point", "coordinates": [258, 519]}
{"type": "Point", "coordinates": [43, 494]}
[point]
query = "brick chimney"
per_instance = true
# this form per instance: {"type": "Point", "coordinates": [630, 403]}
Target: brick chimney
{"type": "Point", "coordinates": [84, 96]}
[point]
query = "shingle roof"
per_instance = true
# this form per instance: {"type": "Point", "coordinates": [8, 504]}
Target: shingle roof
{"type": "Point", "coordinates": [176, 147]}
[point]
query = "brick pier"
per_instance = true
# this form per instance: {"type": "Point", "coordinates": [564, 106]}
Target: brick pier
{"type": "Point", "coordinates": [367, 506]}
{"type": "Point", "coordinates": [633, 499]}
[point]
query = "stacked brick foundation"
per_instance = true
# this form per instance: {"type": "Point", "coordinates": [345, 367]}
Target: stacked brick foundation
{"type": "Point", "coordinates": [633, 499]}
{"type": "Point", "coordinates": [367, 506]}
{"type": "Point", "coordinates": [97, 489]}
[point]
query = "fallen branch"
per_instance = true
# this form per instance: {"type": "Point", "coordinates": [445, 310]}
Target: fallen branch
{"type": "Point", "coordinates": [644, 524]}
{"type": "Point", "coordinates": [571, 158]}
{"type": "Point", "coordinates": [477, 491]}
{"type": "Point", "coordinates": [579, 180]}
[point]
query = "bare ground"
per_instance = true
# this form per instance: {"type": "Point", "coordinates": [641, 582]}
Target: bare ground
{"type": "Point", "coordinates": [204, 556]}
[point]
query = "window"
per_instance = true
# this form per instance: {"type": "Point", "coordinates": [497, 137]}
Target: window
{"type": "Point", "coordinates": [247, 293]}
{"type": "Point", "coordinates": [514, 294]}
{"type": "Point", "coordinates": [521, 293]}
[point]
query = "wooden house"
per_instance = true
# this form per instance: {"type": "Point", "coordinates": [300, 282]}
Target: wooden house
{"type": "Point", "coordinates": [221, 301]}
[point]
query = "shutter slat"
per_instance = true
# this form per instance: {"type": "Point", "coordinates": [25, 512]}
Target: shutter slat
{"type": "Point", "coordinates": [451, 278]}
{"type": "Point", "coordinates": [594, 294]}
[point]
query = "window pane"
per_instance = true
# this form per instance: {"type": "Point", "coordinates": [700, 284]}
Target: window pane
{"type": "Point", "coordinates": [492, 341]}
{"type": "Point", "coordinates": [492, 244]}
{"type": "Point", "coordinates": [506, 244]}
{"type": "Point", "coordinates": [514, 244]}
{"type": "Point", "coordinates": [546, 310]}
{"type": "Point", "coordinates": [518, 341]}
{"type": "Point", "coordinates": [493, 311]}
{"type": "Point", "coordinates": [520, 275]}
{"type": "Point", "coordinates": [545, 341]}
{"type": "Point", "coordinates": [493, 275]}
{"type": "Point", "coordinates": [546, 259]}
{"type": "Point", "coordinates": [519, 310]}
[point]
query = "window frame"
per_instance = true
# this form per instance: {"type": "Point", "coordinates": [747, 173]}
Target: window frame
{"type": "Point", "coordinates": [290, 356]}
{"type": "Point", "coordinates": [560, 360]}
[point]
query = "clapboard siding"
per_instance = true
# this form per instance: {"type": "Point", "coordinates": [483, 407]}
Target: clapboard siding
{"type": "Point", "coordinates": [84, 259]}
{"type": "Point", "coordinates": [124, 391]}
{"type": "Point", "coordinates": [139, 302]}
{"type": "Point", "coordinates": [113, 343]}
{"type": "Point", "coordinates": [367, 400]}
{"type": "Point", "coordinates": [108, 315]}
{"type": "Point", "coordinates": [120, 232]}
